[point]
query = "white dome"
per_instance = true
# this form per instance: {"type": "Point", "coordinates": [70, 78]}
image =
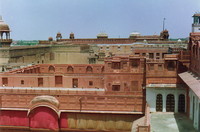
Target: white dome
{"type": "Point", "coordinates": [179, 40]}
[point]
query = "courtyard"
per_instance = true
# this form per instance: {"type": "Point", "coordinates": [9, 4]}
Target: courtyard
{"type": "Point", "coordinates": [171, 122]}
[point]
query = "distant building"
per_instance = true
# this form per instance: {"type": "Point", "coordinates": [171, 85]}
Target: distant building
{"type": "Point", "coordinates": [102, 38]}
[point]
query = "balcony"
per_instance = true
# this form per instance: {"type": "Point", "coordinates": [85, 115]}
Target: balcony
{"type": "Point", "coordinates": [171, 57]}
{"type": "Point", "coordinates": [5, 40]}
{"type": "Point", "coordinates": [154, 61]}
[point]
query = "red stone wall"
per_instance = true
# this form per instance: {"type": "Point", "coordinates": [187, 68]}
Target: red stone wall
{"type": "Point", "coordinates": [127, 76]}
{"type": "Point", "coordinates": [127, 82]}
{"type": "Point", "coordinates": [194, 46]}
{"type": "Point", "coordinates": [45, 119]}
{"type": "Point", "coordinates": [14, 118]}
{"type": "Point", "coordinates": [162, 71]}
{"type": "Point", "coordinates": [161, 80]}
{"type": "Point", "coordinates": [77, 100]}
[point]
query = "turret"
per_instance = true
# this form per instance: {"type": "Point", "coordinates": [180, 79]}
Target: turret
{"type": "Point", "coordinates": [58, 36]}
{"type": "Point", "coordinates": [196, 22]}
{"type": "Point", "coordinates": [5, 40]}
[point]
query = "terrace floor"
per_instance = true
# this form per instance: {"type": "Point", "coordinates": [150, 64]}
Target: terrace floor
{"type": "Point", "coordinates": [170, 122]}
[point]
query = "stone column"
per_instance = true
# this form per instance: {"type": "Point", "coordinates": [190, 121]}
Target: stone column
{"type": "Point", "coordinates": [191, 105]}
{"type": "Point", "coordinates": [154, 55]}
{"type": "Point", "coordinates": [1, 35]}
{"type": "Point", "coordinates": [176, 103]}
{"type": "Point", "coordinates": [195, 113]}
{"type": "Point", "coordinates": [6, 35]}
{"type": "Point", "coordinates": [164, 102]}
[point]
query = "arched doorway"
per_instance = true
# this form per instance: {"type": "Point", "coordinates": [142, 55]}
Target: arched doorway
{"type": "Point", "coordinates": [43, 118]}
{"type": "Point", "coordinates": [170, 103]}
{"type": "Point", "coordinates": [44, 113]}
{"type": "Point", "coordinates": [159, 103]}
{"type": "Point", "coordinates": [181, 103]}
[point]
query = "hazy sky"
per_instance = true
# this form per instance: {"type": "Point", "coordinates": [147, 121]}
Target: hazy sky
{"type": "Point", "coordinates": [39, 19]}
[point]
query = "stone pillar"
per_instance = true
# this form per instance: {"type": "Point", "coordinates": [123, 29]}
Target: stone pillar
{"type": "Point", "coordinates": [6, 35]}
{"type": "Point", "coordinates": [1, 35]}
{"type": "Point", "coordinates": [164, 102]}
{"type": "Point", "coordinates": [154, 55]}
{"type": "Point", "coordinates": [195, 113]}
{"type": "Point", "coordinates": [176, 103]}
{"type": "Point", "coordinates": [191, 105]}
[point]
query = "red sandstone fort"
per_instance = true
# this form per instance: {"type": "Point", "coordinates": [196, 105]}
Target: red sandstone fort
{"type": "Point", "coordinates": [116, 95]}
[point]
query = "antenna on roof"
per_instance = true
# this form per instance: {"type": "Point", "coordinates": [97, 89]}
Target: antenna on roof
{"type": "Point", "coordinates": [164, 23]}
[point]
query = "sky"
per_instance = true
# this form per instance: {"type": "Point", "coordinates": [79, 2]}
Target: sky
{"type": "Point", "coordinates": [40, 19]}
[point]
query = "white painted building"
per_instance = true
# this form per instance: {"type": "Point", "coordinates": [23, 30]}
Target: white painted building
{"type": "Point", "coordinates": [193, 83]}
{"type": "Point", "coordinates": [166, 98]}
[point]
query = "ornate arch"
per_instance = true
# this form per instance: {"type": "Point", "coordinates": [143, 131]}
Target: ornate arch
{"type": "Point", "coordinates": [89, 69]}
{"type": "Point", "coordinates": [51, 68]}
{"type": "Point", "coordinates": [70, 69]}
{"type": "Point", "coordinates": [46, 101]}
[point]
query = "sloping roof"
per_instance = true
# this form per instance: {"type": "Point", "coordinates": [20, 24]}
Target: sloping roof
{"type": "Point", "coordinates": [192, 81]}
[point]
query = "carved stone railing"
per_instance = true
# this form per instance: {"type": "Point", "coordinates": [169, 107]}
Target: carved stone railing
{"type": "Point", "coordinates": [75, 100]}
{"type": "Point", "coordinates": [154, 61]}
{"type": "Point", "coordinates": [5, 40]}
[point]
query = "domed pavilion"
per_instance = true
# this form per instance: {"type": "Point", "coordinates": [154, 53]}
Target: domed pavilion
{"type": "Point", "coordinates": [5, 40]}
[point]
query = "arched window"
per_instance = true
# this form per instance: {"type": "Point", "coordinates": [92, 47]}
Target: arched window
{"type": "Point", "coordinates": [51, 69]}
{"type": "Point", "coordinates": [102, 69]}
{"type": "Point", "coordinates": [181, 103]}
{"type": "Point", "coordinates": [70, 69]}
{"type": "Point", "coordinates": [89, 69]}
{"type": "Point", "coordinates": [5, 81]}
{"type": "Point", "coordinates": [170, 104]}
{"type": "Point", "coordinates": [159, 102]}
